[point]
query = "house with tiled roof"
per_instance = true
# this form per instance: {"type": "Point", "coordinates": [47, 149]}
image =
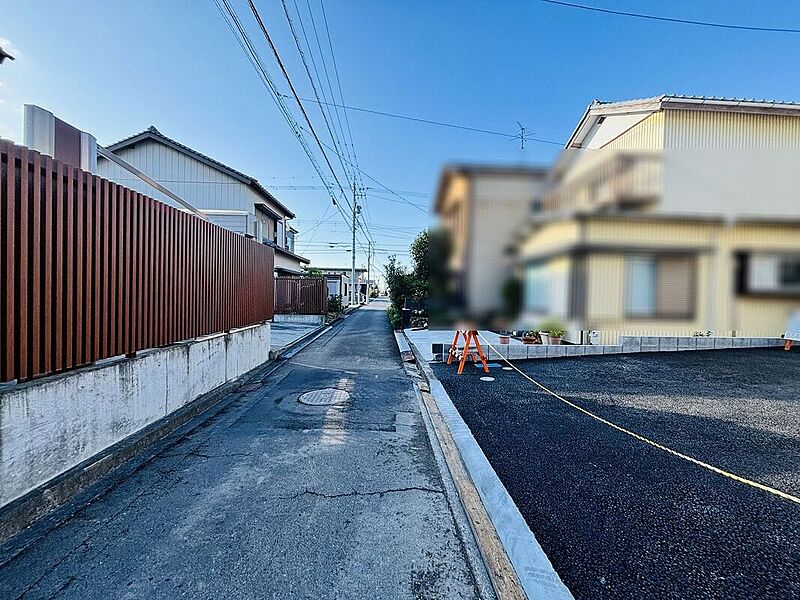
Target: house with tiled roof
{"type": "Point", "coordinates": [223, 194]}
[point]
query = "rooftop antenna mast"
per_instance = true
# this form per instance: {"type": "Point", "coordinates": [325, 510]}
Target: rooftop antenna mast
{"type": "Point", "coordinates": [521, 135]}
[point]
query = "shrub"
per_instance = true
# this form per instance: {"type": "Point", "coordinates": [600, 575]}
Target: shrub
{"type": "Point", "coordinates": [335, 303]}
{"type": "Point", "coordinates": [395, 316]}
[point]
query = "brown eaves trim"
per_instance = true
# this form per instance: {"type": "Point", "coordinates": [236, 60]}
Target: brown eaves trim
{"type": "Point", "coordinates": [302, 259]}
{"type": "Point", "coordinates": [769, 220]}
{"type": "Point", "coordinates": [543, 219]}
{"type": "Point", "coordinates": [154, 134]}
{"type": "Point", "coordinates": [582, 249]}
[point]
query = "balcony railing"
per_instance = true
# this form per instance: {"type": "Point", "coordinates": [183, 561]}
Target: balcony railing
{"type": "Point", "coordinates": [608, 181]}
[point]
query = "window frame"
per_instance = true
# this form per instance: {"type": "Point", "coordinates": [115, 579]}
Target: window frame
{"type": "Point", "coordinates": [658, 314]}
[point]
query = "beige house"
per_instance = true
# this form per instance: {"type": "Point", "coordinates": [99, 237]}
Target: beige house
{"type": "Point", "coordinates": [670, 215]}
{"type": "Point", "coordinates": [480, 207]}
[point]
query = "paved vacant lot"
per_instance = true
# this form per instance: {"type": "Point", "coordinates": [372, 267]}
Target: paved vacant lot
{"type": "Point", "coordinates": [622, 519]}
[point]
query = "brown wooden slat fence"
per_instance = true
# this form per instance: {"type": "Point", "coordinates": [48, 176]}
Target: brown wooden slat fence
{"type": "Point", "coordinates": [301, 296]}
{"type": "Point", "coordinates": [90, 269]}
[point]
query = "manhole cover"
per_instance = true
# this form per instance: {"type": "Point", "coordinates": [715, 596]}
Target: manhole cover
{"type": "Point", "coordinates": [324, 397]}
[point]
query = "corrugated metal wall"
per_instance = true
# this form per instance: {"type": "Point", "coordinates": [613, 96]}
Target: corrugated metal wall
{"type": "Point", "coordinates": [702, 129]}
{"type": "Point", "coordinates": [647, 135]}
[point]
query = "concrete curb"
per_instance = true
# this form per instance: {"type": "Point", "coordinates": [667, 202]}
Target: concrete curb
{"type": "Point", "coordinates": [475, 553]}
{"type": "Point", "coordinates": [533, 569]}
{"type": "Point", "coordinates": [274, 354]}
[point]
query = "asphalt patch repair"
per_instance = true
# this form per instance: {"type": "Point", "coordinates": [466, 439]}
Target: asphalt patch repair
{"type": "Point", "coordinates": [620, 518]}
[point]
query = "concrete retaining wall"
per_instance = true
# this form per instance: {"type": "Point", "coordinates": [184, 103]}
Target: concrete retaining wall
{"type": "Point", "coordinates": [51, 425]}
{"type": "Point", "coordinates": [306, 319]}
{"type": "Point", "coordinates": [630, 344]}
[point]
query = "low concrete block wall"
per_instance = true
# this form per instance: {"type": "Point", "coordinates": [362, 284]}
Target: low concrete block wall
{"type": "Point", "coordinates": [49, 426]}
{"type": "Point", "coordinates": [306, 319]}
{"type": "Point", "coordinates": [628, 345]}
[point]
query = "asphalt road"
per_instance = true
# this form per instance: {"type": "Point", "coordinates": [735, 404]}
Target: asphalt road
{"type": "Point", "coordinates": [271, 498]}
{"type": "Point", "coordinates": [621, 519]}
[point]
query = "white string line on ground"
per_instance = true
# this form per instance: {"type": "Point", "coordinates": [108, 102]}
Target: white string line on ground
{"type": "Point", "coordinates": [641, 438]}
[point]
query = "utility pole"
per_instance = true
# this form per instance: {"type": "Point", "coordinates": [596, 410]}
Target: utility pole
{"type": "Point", "coordinates": [369, 257]}
{"type": "Point", "coordinates": [353, 249]}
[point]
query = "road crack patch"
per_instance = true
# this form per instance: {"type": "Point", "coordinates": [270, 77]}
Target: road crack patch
{"type": "Point", "coordinates": [357, 493]}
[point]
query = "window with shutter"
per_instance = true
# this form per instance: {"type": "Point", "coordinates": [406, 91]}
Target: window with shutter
{"type": "Point", "coordinates": [675, 286]}
{"type": "Point", "coordinates": [660, 286]}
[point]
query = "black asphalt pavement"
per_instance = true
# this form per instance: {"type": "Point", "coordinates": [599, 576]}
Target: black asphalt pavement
{"type": "Point", "coordinates": [619, 518]}
{"type": "Point", "coordinates": [271, 498]}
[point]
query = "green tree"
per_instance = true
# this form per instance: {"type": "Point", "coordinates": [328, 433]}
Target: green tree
{"type": "Point", "coordinates": [312, 272]}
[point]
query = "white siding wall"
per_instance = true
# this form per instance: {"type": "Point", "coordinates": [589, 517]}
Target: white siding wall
{"type": "Point", "coordinates": [199, 184]}
{"type": "Point", "coordinates": [611, 128]}
{"type": "Point", "coordinates": [240, 223]}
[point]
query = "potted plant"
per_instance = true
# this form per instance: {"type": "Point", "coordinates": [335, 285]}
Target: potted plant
{"type": "Point", "coordinates": [531, 337]}
{"type": "Point", "coordinates": [504, 337]}
{"type": "Point", "coordinates": [554, 331]}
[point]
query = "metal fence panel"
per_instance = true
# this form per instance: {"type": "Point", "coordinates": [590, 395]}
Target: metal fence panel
{"type": "Point", "coordinates": [91, 269]}
{"type": "Point", "coordinates": [301, 295]}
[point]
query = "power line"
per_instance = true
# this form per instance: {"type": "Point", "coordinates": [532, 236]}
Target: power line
{"type": "Point", "coordinates": [243, 39]}
{"type": "Point", "coordinates": [311, 130]}
{"type": "Point", "coordinates": [338, 82]}
{"type": "Point", "coordinates": [671, 19]}
{"type": "Point", "coordinates": [308, 188]}
{"type": "Point", "coordinates": [334, 138]}
{"type": "Point", "coordinates": [357, 182]}
{"type": "Point", "coordinates": [403, 201]}
{"type": "Point", "coordinates": [294, 91]}
{"type": "Point", "coordinates": [327, 78]}
{"type": "Point", "coordinates": [391, 191]}
{"type": "Point", "coordinates": [510, 136]}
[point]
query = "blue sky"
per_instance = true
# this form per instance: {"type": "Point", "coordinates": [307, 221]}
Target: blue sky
{"type": "Point", "coordinates": [115, 68]}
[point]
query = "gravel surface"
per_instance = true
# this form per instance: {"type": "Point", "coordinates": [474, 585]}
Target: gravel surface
{"type": "Point", "coordinates": [621, 519]}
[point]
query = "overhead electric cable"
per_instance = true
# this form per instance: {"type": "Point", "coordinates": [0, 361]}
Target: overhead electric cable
{"type": "Point", "coordinates": [622, 13]}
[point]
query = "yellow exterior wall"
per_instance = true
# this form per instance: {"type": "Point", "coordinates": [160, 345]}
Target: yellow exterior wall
{"type": "Point", "coordinates": [646, 135]}
{"type": "Point", "coordinates": [717, 307]}
{"type": "Point", "coordinates": [762, 317]}
{"type": "Point", "coordinates": [549, 237]}
{"type": "Point", "coordinates": [655, 232]}
{"type": "Point", "coordinates": [705, 129]}
{"type": "Point", "coordinates": [605, 302]}
{"type": "Point", "coordinates": [454, 215]}
{"type": "Point", "coordinates": [756, 315]}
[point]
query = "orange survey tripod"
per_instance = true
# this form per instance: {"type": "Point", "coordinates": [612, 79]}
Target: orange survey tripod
{"type": "Point", "coordinates": [470, 338]}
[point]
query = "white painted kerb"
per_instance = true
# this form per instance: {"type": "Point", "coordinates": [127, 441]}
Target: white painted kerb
{"type": "Point", "coordinates": [534, 570]}
{"type": "Point", "coordinates": [48, 427]}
